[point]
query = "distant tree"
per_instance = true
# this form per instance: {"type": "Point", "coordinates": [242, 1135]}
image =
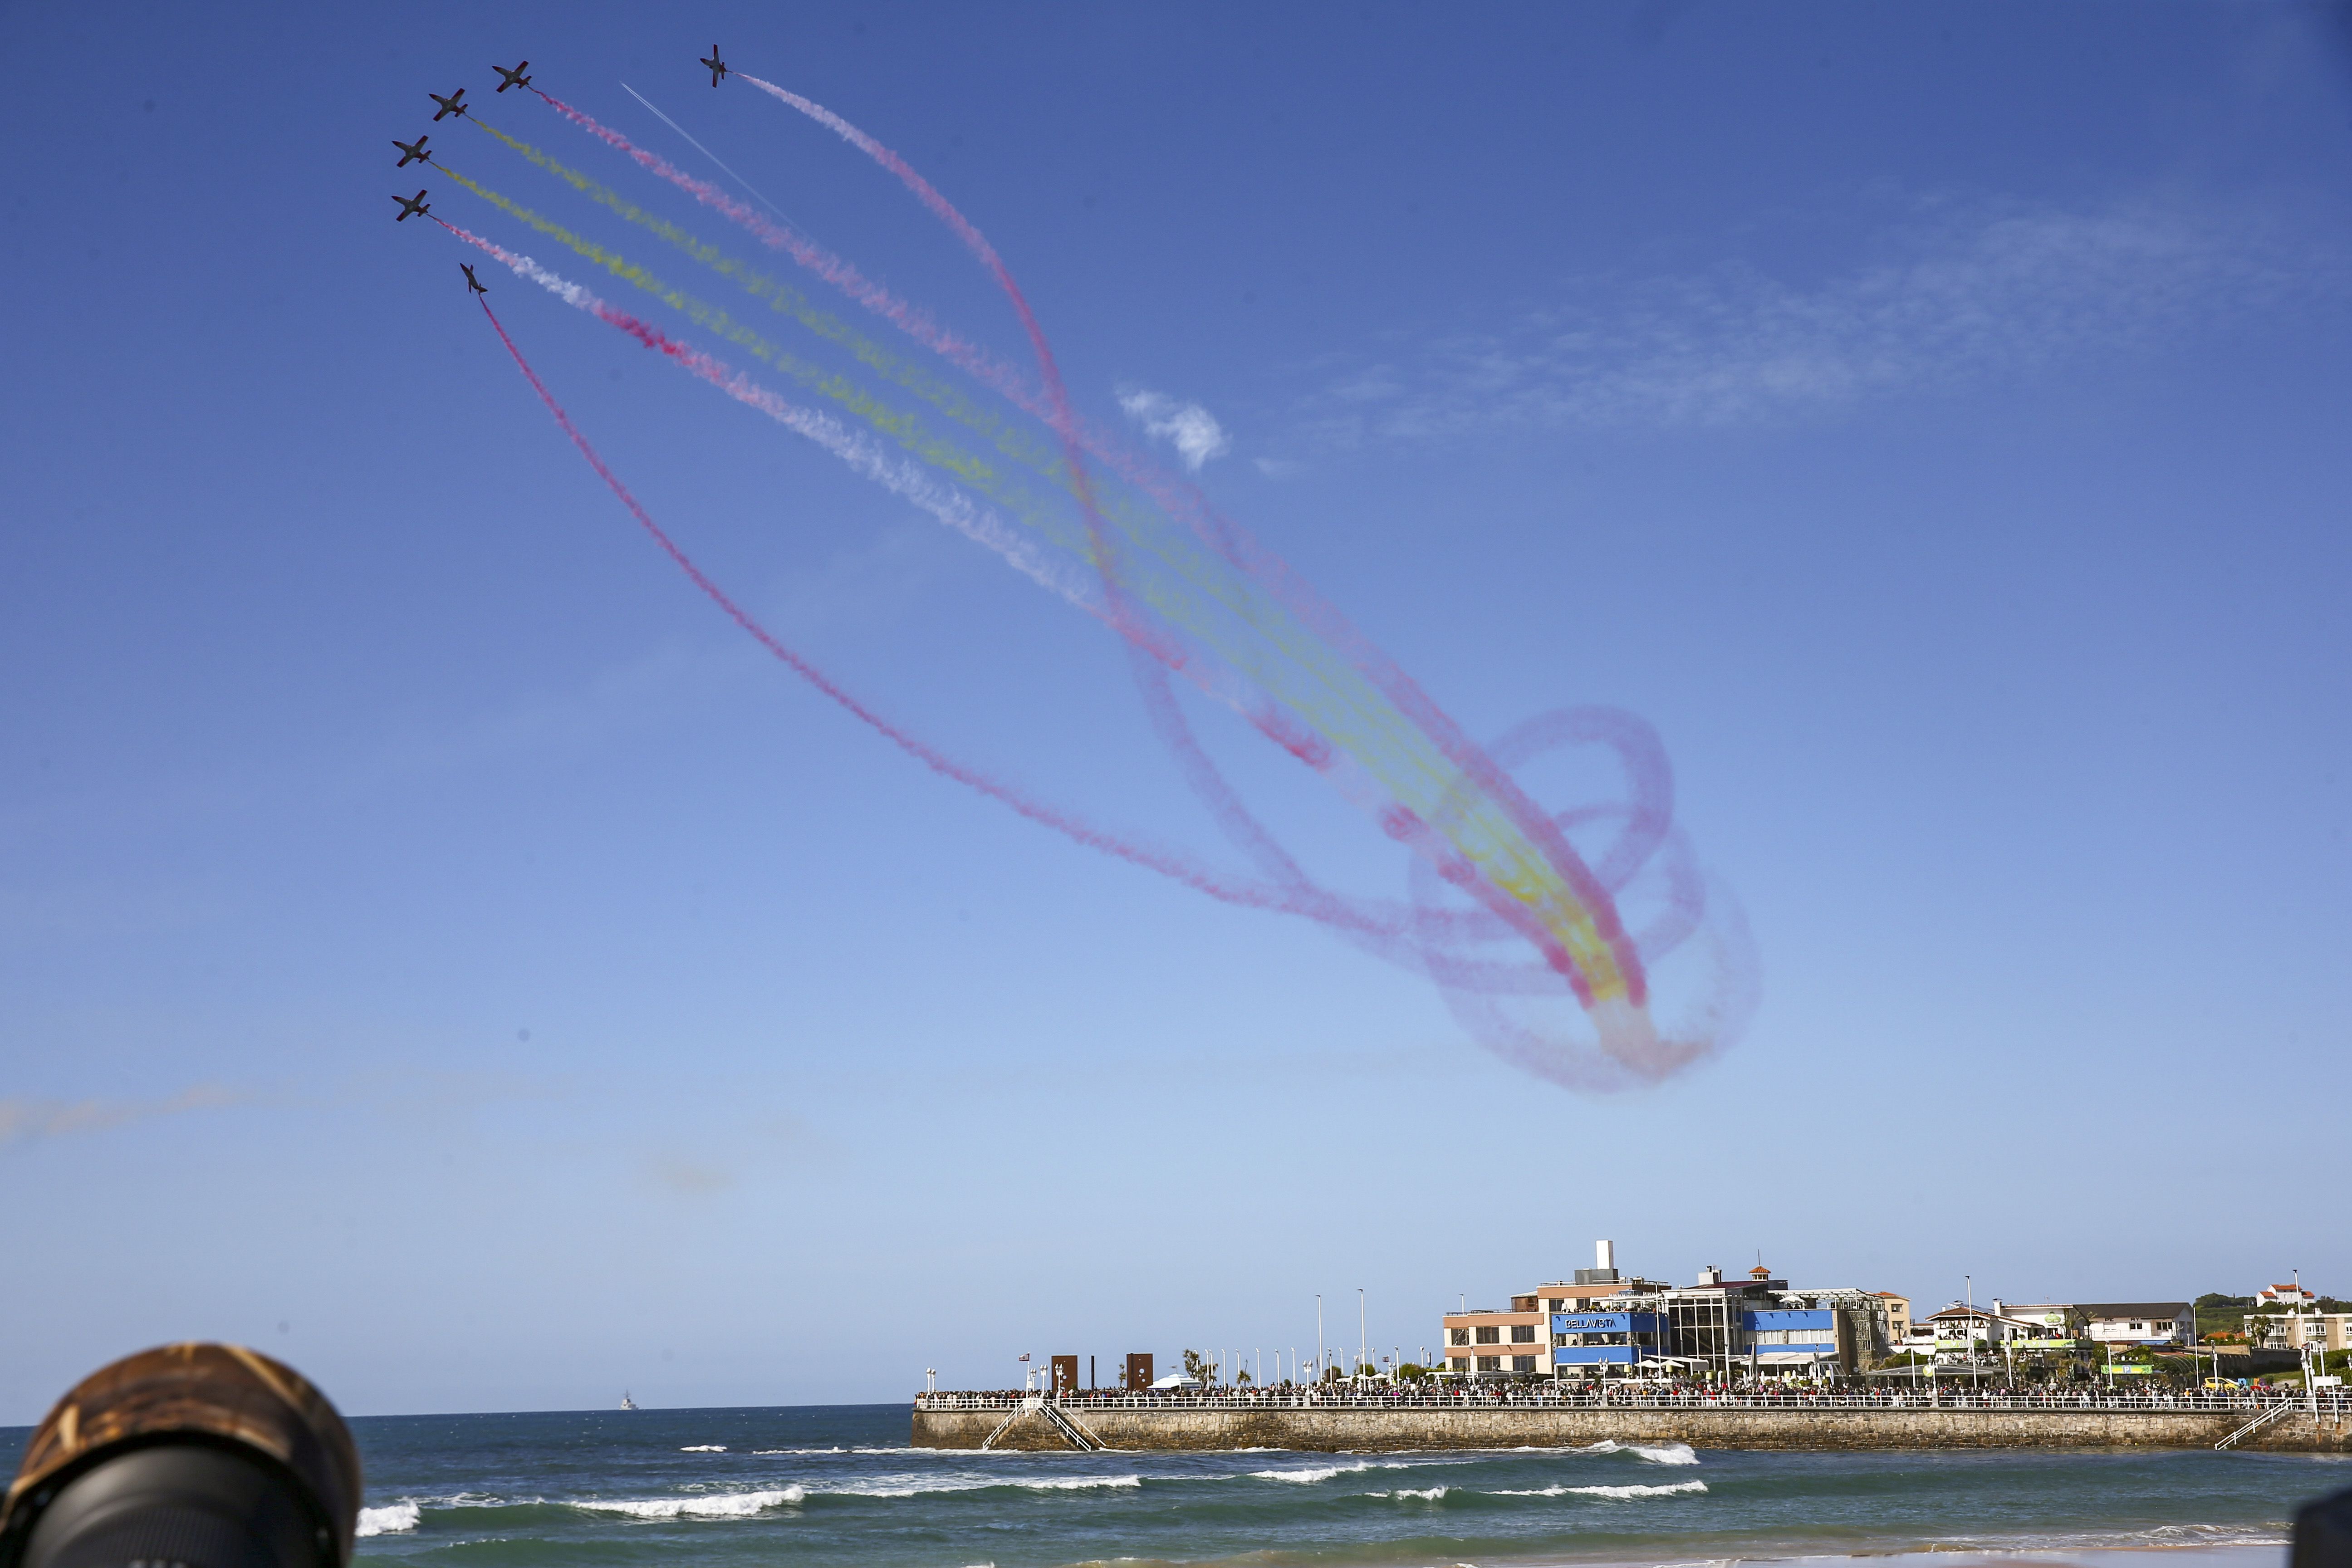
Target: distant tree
{"type": "Point", "coordinates": [1198, 1367]}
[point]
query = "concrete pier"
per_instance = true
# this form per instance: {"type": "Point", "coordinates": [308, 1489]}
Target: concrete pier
{"type": "Point", "coordinates": [1363, 1430]}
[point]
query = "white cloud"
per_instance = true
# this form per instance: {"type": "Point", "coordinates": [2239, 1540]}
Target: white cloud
{"type": "Point", "coordinates": [1192, 429]}
{"type": "Point", "coordinates": [1960, 292]}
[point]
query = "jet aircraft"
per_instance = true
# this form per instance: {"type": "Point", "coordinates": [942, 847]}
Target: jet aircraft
{"type": "Point", "coordinates": [471, 282]}
{"type": "Point", "coordinates": [453, 104]}
{"type": "Point", "coordinates": [412, 152]}
{"type": "Point", "coordinates": [413, 206]}
{"type": "Point", "coordinates": [718, 67]}
{"type": "Point", "coordinates": [514, 78]}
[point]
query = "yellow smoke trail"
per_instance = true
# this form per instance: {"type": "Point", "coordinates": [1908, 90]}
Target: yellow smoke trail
{"type": "Point", "coordinates": [904, 428]}
{"type": "Point", "coordinates": [948, 397]}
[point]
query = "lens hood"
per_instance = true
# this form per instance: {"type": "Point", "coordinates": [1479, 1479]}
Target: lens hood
{"type": "Point", "coordinates": [212, 1456]}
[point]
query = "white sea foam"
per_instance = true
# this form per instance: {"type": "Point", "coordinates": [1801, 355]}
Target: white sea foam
{"type": "Point", "coordinates": [704, 1449]}
{"type": "Point", "coordinates": [715, 1505]}
{"type": "Point", "coordinates": [1656, 1453]}
{"type": "Point", "coordinates": [1425, 1494]}
{"type": "Point", "coordinates": [1079, 1483]}
{"type": "Point", "coordinates": [390, 1519]}
{"type": "Point", "coordinates": [1618, 1494]}
{"type": "Point", "coordinates": [908, 1485]}
{"type": "Point", "coordinates": [1311, 1475]}
{"type": "Point", "coordinates": [835, 1450]}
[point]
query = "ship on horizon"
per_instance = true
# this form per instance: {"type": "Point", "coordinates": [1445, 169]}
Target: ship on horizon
{"type": "Point", "coordinates": [628, 1402]}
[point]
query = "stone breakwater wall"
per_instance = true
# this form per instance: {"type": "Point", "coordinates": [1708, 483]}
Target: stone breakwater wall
{"type": "Point", "coordinates": [1357, 1431]}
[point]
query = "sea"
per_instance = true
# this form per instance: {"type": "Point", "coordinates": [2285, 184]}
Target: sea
{"type": "Point", "coordinates": [826, 1485]}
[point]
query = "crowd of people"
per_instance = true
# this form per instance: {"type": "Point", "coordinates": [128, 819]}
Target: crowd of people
{"type": "Point", "coordinates": [1683, 1392]}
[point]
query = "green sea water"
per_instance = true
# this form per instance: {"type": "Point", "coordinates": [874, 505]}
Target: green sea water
{"type": "Point", "coordinates": [838, 1485]}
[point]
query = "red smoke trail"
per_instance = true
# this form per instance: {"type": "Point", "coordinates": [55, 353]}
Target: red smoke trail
{"type": "Point", "coordinates": [1371, 921]}
{"type": "Point", "coordinates": [1231, 542]}
{"type": "Point", "coordinates": [1377, 924]}
{"type": "Point", "coordinates": [1179, 499]}
{"type": "Point", "coordinates": [1178, 868]}
{"type": "Point", "coordinates": [915, 322]}
{"type": "Point", "coordinates": [909, 318]}
{"type": "Point", "coordinates": [1208, 783]}
{"type": "Point", "coordinates": [1262, 565]}
{"type": "Point", "coordinates": [1222, 802]}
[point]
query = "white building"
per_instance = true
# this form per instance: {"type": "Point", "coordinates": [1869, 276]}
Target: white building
{"type": "Point", "coordinates": [2284, 1296]}
{"type": "Point", "coordinates": [1980, 1329]}
{"type": "Point", "coordinates": [2140, 1322]}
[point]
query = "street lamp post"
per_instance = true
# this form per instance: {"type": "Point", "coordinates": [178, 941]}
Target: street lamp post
{"type": "Point", "coordinates": [1969, 1283]}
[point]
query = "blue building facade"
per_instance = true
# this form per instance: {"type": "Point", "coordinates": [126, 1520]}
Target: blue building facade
{"type": "Point", "coordinates": [1605, 1339]}
{"type": "Point", "coordinates": [1756, 1328]}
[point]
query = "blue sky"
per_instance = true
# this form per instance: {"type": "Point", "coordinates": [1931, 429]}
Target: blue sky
{"type": "Point", "coordinates": [437, 947]}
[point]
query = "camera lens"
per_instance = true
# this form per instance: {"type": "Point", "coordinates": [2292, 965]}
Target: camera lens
{"type": "Point", "coordinates": [177, 1505]}
{"type": "Point", "coordinates": [191, 1455]}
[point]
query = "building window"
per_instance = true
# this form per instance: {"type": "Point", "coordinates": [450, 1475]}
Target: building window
{"type": "Point", "coordinates": [1490, 1363]}
{"type": "Point", "coordinates": [1523, 1333]}
{"type": "Point", "coordinates": [1459, 1364]}
{"type": "Point", "coordinates": [1490, 1335]}
{"type": "Point", "coordinates": [1523, 1364]}
{"type": "Point", "coordinates": [1460, 1336]}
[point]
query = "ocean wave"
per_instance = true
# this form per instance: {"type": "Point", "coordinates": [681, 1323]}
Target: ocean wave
{"type": "Point", "coordinates": [1425, 1494]}
{"type": "Point", "coordinates": [1307, 1477]}
{"type": "Point", "coordinates": [833, 1450]}
{"type": "Point", "coordinates": [1655, 1453]}
{"type": "Point", "coordinates": [390, 1519]}
{"type": "Point", "coordinates": [1618, 1494]}
{"type": "Point", "coordinates": [717, 1505]}
{"type": "Point", "coordinates": [1079, 1483]}
{"type": "Point", "coordinates": [704, 1449]}
{"type": "Point", "coordinates": [982, 1484]}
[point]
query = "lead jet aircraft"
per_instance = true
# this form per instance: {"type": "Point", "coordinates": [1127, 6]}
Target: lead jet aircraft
{"type": "Point", "coordinates": [718, 67]}
{"type": "Point", "coordinates": [413, 206]}
{"type": "Point", "coordinates": [471, 282]}
{"type": "Point", "coordinates": [514, 78]}
{"type": "Point", "coordinates": [412, 152]}
{"type": "Point", "coordinates": [453, 104]}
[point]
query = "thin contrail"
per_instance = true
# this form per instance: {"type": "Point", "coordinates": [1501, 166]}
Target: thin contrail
{"type": "Point", "coordinates": [714, 157]}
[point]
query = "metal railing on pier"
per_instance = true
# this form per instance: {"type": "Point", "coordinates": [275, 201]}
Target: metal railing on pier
{"type": "Point", "coordinates": [2330, 1405]}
